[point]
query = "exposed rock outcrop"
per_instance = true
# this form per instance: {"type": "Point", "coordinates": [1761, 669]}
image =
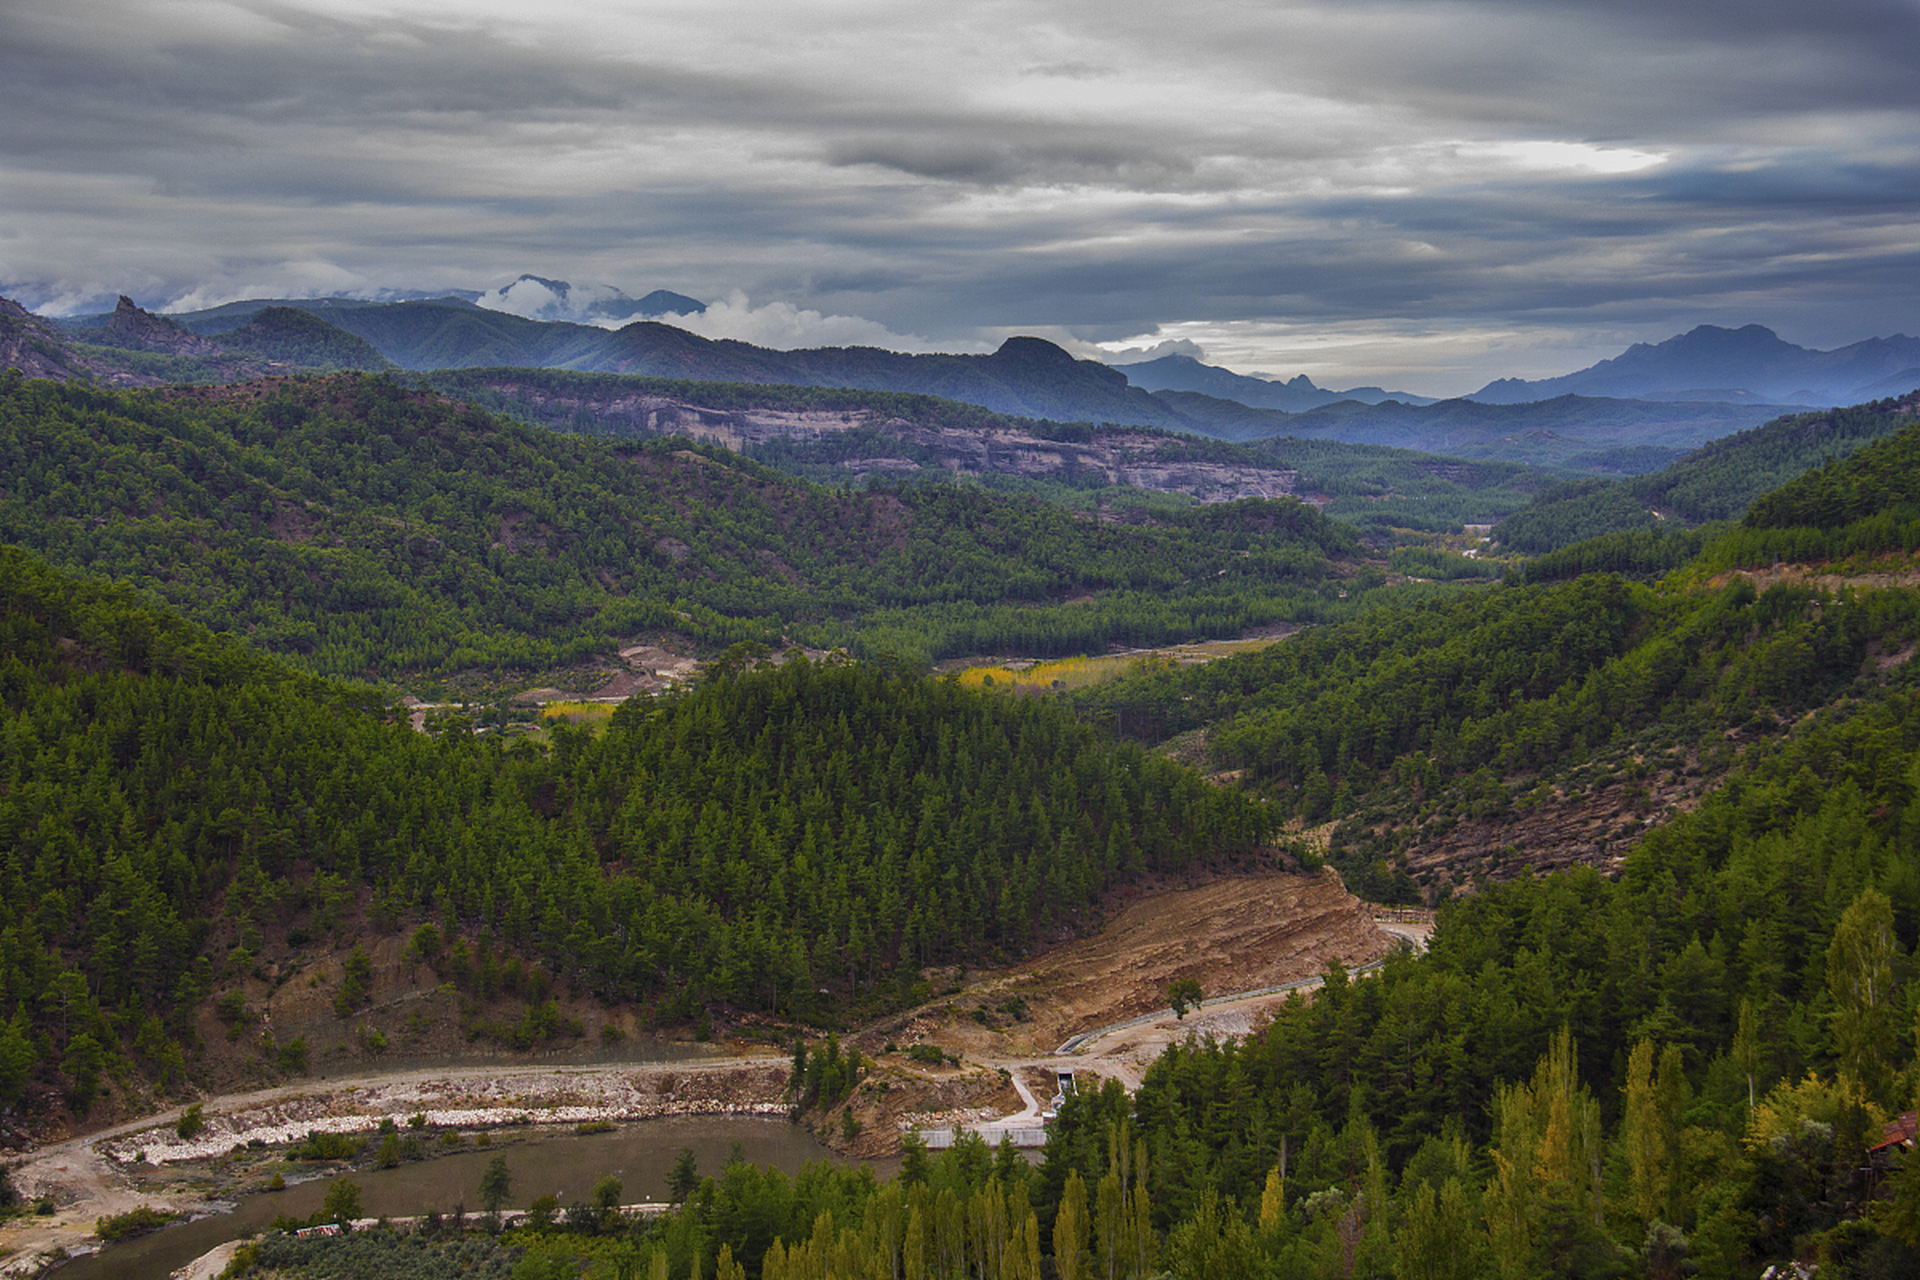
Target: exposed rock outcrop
{"type": "Point", "coordinates": [33, 346]}
{"type": "Point", "coordinates": [892, 446]}
{"type": "Point", "coordinates": [131, 326]}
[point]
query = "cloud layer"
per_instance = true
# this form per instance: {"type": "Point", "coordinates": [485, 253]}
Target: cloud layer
{"type": "Point", "coordinates": [1443, 192]}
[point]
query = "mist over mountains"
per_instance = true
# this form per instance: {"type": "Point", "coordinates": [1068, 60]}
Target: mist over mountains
{"type": "Point", "coordinates": [538, 298]}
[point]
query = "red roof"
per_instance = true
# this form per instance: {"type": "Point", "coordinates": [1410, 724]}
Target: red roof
{"type": "Point", "coordinates": [1898, 1132]}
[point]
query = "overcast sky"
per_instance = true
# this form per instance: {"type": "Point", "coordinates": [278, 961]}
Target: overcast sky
{"type": "Point", "coordinates": [1425, 195]}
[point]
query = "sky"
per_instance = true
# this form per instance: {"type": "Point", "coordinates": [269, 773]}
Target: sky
{"type": "Point", "coordinates": [1424, 195]}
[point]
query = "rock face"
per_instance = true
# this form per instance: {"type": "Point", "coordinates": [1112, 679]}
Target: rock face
{"type": "Point", "coordinates": [130, 326]}
{"type": "Point", "coordinates": [276, 341]}
{"type": "Point", "coordinates": [878, 444]}
{"type": "Point", "coordinates": [33, 346]}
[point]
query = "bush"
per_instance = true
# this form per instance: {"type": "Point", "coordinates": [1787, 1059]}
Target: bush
{"type": "Point", "coordinates": [191, 1123]}
{"type": "Point", "coordinates": [927, 1053]}
{"type": "Point", "coordinates": [292, 1056]}
{"type": "Point", "coordinates": [356, 986]}
{"type": "Point", "coordinates": [135, 1222]}
{"type": "Point", "coordinates": [327, 1146]}
{"type": "Point", "coordinates": [343, 1201]}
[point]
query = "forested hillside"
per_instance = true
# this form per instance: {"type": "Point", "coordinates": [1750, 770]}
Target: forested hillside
{"type": "Point", "coordinates": [177, 811]}
{"type": "Point", "coordinates": [834, 435]}
{"type": "Point", "coordinates": [375, 532]}
{"type": "Point", "coordinates": [1567, 433]}
{"type": "Point", "coordinates": [1494, 710]}
{"type": "Point", "coordinates": [1715, 482]}
{"type": "Point", "coordinates": [1737, 1005]}
{"type": "Point", "coordinates": [1379, 489]}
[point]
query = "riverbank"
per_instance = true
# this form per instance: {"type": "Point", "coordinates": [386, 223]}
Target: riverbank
{"type": "Point", "coordinates": [147, 1163]}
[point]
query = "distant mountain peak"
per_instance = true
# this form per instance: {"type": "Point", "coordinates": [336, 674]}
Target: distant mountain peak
{"type": "Point", "coordinates": [664, 302]}
{"type": "Point", "coordinates": [1033, 351]}
{"type": "Point", "coordinates": [133, 326]}
{"type": "Point", "coordinates": [1713, 363]}
{"type": "Point", "coordinates": [1180, 373]}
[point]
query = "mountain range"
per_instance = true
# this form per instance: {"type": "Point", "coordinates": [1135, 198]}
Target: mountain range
{"type": "Point", "coordinates": [1028, 377]}
{"type": "Point", "coordinates": [1295, 394]}
{"type": "Point", "coordinates": [1745, 365]}
{"type": "Point", "coordinates": [1635, 413]}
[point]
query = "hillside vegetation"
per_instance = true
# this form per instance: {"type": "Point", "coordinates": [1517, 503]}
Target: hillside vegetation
{"type": "Point", "coordinates": [1713, 483]}
{"type": "Point", "coordinates": [1496, 709]}
{"type": "Point", "coordinates": [1681, 1069]}
{"type": "Point", "coordinates": [175, 807]}
{"type": "Point", "coordinates": [841, 436]}
{"type": "Point", "coordinates": [375, 532]}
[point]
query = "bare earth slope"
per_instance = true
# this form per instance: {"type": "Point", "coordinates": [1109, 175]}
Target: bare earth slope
{"type": "Point", "coordinates": [1241, 934]}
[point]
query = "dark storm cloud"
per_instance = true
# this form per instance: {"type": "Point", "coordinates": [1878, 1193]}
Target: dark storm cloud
{"type": "Point", "coordinates": [1487, 165]}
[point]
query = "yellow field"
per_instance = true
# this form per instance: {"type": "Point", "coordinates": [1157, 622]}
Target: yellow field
{"type": "Point", "coordinates": [1079, 672]}
{"type": "Point", "coordinates": [1066, 673]}
{"type": "Point", "coordinates": [577, 711]}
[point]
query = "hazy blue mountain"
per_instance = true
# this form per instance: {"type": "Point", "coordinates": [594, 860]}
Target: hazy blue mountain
{"type": "Point", "coordinates": [1746, 365]}
{"type": "Point", "coordinates": [1698, 385]}
{"type": "Point", "coordinates": [232, 315]}
{"type": "Point", "coordinates": [1568, 433]}
{"type": "Point", "coordinates": [1184, 373]}
{"type": "Point", "coordinates": [664, 302]}
{"type": "Point", "coordinates": [1027, 377]}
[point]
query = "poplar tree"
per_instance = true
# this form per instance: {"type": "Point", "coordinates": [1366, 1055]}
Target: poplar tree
{"type": "Point", "coordinates": [1070, 1231]}
{"type": "Point", "coordinates": [1643, 1138]}
{"type": "Point", "coordinates": [1860, 980]}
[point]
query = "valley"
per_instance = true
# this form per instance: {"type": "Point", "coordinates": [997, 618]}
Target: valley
{"type": "Point", "coordinates": [1654, 827]}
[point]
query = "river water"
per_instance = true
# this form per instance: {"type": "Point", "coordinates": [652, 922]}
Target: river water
{"type": "Point", "coordinates": [566, 1166]}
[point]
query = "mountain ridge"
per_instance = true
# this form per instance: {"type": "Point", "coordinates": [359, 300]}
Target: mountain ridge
{"type": "Point", "coordinates": [1751, 362]}
{"type": "Point", "coordinates": [1295, 394]}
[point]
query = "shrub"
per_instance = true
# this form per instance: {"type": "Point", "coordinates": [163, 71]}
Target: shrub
{"type": "Point", "coordinates": [135, 1222]}
{"type": "Point", "coordinates": [327, 1146]}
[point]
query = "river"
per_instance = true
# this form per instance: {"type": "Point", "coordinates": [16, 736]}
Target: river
{"type": "Point", "coordinates": [566, 1166]}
